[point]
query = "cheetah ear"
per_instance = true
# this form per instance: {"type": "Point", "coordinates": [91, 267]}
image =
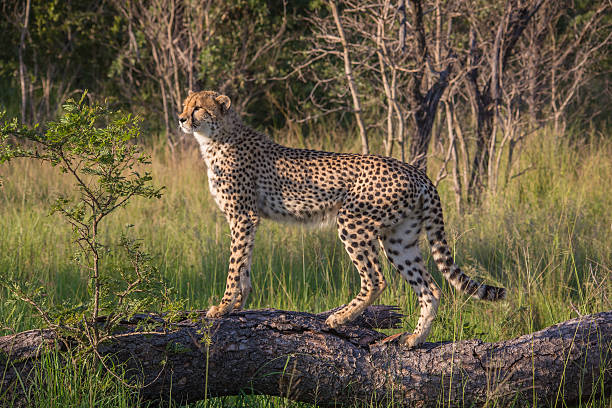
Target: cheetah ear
{"type": "Point", "coordinates": [190, 93]}
{"type": "Point", "coordinates": [224, 101]}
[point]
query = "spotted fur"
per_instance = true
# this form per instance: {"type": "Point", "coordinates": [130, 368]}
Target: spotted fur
{"type": "Point", "coordinates": [376, 202]}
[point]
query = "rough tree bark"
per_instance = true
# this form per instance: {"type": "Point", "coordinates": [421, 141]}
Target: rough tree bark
{"type": "Point", "coordinates": [297, 356]}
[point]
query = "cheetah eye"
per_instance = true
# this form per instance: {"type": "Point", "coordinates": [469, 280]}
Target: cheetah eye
{"type": "Point", "coordinates": [193, 112]}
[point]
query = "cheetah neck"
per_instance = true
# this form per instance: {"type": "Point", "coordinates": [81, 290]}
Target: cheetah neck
{"type": "Point", "coordinates": [202, 139]}
{"type": "Point", "coordinates": [233, 133]}
{"type": "Point", "coordinates": [206, 145]}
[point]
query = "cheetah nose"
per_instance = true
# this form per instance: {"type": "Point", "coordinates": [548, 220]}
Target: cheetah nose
{"type": "Point", "coordinates": [182, 120]}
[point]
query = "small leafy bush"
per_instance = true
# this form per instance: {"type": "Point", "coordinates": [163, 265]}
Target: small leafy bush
{"type": "Point", "coordinates": [95, 147]}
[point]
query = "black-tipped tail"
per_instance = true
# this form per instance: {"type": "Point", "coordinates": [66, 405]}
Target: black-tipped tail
{"type": "Point", "coordinates": [446, 264]}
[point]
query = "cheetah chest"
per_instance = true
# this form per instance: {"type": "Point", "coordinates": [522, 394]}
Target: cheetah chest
{"type": "Point", "coordinates": [216, 182]}
{"type": "Point", "coordinates": [218, 179]}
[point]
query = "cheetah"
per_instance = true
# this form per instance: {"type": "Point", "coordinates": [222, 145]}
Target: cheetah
{"type": "Point", "coordinates": [377, 203]}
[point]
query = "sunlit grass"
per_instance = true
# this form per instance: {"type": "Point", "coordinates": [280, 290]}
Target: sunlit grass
{"type": "Point", "coordinates": [545, 236]}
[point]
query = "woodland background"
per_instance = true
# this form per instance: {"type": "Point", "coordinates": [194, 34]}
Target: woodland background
{"type": "Point", "coordinates": [463, 81]}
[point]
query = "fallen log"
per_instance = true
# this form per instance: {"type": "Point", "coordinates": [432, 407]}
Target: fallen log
{"type": "Point", "coordinates": [295, 355]}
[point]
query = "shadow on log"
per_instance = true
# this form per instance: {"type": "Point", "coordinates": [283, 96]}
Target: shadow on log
{"type": "Point", "coordinates": [295, 355]}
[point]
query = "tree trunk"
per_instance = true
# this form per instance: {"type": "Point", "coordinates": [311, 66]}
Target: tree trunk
{"type": "Point", "coordinates": [297, 356]}
{"type": "Point", "coordinates": [424, 115]}
{"type": "Point", "coordinates": [348, 71]}
{"type": "Point", "coordinates": [22, 66]}
{"type": "Point", "coordinates": [424, 108]}
{"type": "Point", "coordinates": [486, 99]}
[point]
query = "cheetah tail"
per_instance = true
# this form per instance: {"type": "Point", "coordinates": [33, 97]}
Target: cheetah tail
{"type": "Point", "coordinates": [449, 269]}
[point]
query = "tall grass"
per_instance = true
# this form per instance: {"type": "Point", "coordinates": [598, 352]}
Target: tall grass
{"type": "Point", "coordinates": [545, 236]}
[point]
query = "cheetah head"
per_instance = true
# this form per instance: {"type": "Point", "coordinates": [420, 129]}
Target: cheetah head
{"type": "Point", "coordinates": [204, 112]}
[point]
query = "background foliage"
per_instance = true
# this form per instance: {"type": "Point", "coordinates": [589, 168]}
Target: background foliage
{"type": "Point", "coordinates": [109, 47]}
{"type": "Point", "coordinates": [460, 82]}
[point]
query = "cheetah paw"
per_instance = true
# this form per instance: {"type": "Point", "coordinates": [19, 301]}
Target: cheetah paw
{"type": "Point", "coordinates": [216, 312]}
{"type": "Point", "coordinates": [335, 321]}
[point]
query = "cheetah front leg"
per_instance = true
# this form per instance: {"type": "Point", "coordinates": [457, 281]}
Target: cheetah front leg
{"type": "Point", "coordinates": [238, 284]}
{"type": "Point", "coordinates": [360, 241]}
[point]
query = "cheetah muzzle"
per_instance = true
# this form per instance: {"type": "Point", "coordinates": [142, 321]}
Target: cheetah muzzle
{"type": "Point", "coordinates": [377, 202]}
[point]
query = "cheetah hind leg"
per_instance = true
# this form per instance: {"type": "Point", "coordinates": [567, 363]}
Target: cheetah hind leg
{"type": "Point", "coordinates": [362, 248]}
{"type": "Point", "coordinates": [401, 248]}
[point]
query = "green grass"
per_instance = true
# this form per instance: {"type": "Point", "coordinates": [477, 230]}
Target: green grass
{"type": "Point", "coordinates": [546, 236]}
{"type": "Point", "coordinates": [69, 384]}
